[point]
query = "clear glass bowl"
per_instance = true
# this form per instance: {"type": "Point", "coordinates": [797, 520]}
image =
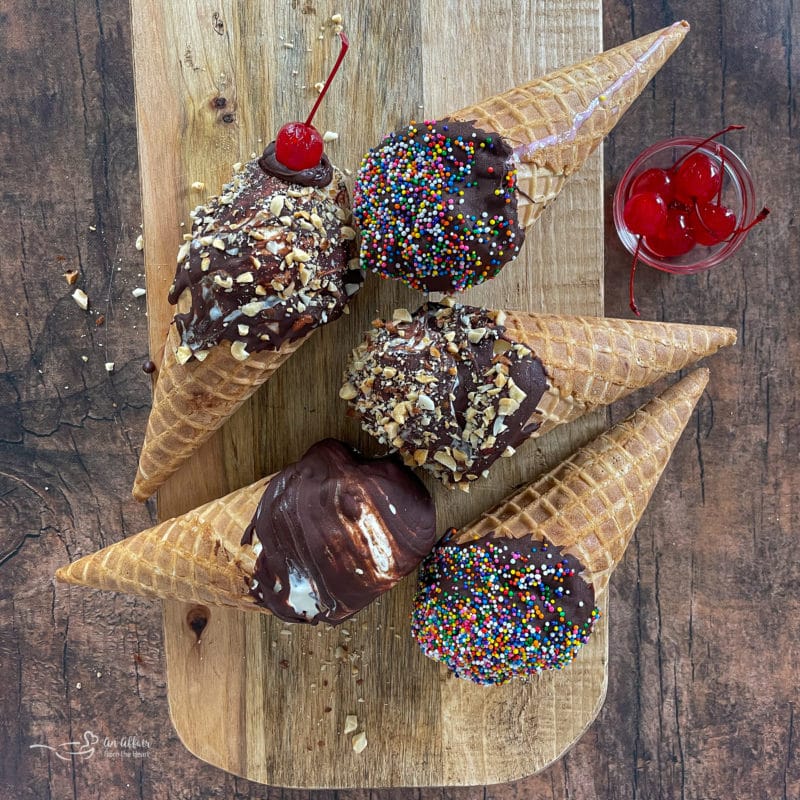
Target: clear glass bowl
{"type": "Point", "coordinates": [738, 194]}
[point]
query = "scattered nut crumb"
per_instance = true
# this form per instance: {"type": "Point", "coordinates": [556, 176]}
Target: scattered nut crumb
{"type": "Point", "coordinates": [80, 297]}
{"type": "Point", "coordinates": [71, 276]}
{"type": "Point", "coordinates": [140, 242]}
{"type": "Point", "coordinates": [359, 742]}
{"type": "Point", "coordinates": [100, 320]}
{"type": "Point", "coordinates": [350, 723]}
{"type": "Point", "coordinates": [336, 19]}
{"type": "Point", "coordinates": [78, 685]}
{"type": "Point", "coordinates": [348, 392]}
{"type": "Point", "coordinates": [319, 86]}
{"type": "Point", "coordinates": [288, 45]}
{"type": "Point", "coordinates": [330, 136]}
{"type": "Point", "coordinates": [198, 186]}
{"type": "Point", "coordinates": [84, 358]}
{"type": "Point", "coordinates": [109, 366]}
{"type": "Point", "coordinates": [139, 292]}
{"type": "Point", "coordinates": [93, 227]}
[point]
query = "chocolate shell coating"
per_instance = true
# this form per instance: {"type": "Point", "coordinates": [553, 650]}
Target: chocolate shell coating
{"type": "Point", "coordinates": [268, 261]}
{"type": "Point", "coordinates": [447, 387]}
{"type": "Point", "coordinates": [436, 205]}
{"type": "Point", "coordinates": [336, 531]}
{"type": "Point", "coordinates": [319, 175]}
{"type": "Point", "coordinates": [497, 608]}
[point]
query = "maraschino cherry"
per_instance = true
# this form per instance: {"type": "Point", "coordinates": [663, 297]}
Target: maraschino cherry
{"type": "Point", "coordinates": [299, 145]}
{"type": "Point", "coordinates": [672, 210]}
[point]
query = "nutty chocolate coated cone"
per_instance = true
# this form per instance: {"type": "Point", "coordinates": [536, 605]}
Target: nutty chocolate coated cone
{"type": "Point", "coordinates": [196, 558]}
{"type": "Point", "coordinates": [591, 504]}
{"type": "Point", "coordinates": [428, 385]}
{"type": "Point", "coordinates": [594, 361]}
{"type": "Point", "coordinates": [192, 400]}
{"type": "Point", "coordinates": [554, 123]}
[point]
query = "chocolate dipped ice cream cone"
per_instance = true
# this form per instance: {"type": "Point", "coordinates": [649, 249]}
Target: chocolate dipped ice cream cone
{"type": "Point", "coordinates": [453, 387]}
{"type": "Point", "coordinates": [514, 592]}
{"type": "Point", "coordinates": [443, 204]}
{"type": "Point", "coordinates": [315, 542]}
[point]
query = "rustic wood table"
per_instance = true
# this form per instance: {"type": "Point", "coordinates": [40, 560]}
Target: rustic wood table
{"type": "Point", "coordinates": [703, 636]}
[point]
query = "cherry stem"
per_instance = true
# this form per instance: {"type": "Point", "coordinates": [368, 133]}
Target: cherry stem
{"type": "Point", "coordinates": [701, 220]}
{"type": "Point", "coordinates": [760, 217]}
{"type": "Point", "coordinates": [721, 177]}
{"type": "Point", "coordinates": [345, 45]}
{"type": "Point", "coordinates": [705, 142]}
{"type": "Point", "coordinates": [633, 305]}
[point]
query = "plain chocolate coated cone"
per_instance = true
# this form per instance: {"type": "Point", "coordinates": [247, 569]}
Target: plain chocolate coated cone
{"type": "Point", "coordinates": [591, 504]}
{"type": "Point", "coordinates": [554, 123]}
{"type": "Point", "coordinates": [196, 558]}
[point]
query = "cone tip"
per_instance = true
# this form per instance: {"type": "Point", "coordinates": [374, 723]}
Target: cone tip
{"type": "Point", "coordinates": [144, 487]}
{"type": "Point", "coordinates": [729, 336]}
{"type": "Point", "coordinates": [689, 388]}
{"type": "Point", "coordinates": [65, 573]}
{"type": "Point", "coordinates": [697, 380]}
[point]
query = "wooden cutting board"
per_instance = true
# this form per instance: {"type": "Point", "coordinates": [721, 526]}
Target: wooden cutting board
{"type": "Point", "coordinates": [214, 82]}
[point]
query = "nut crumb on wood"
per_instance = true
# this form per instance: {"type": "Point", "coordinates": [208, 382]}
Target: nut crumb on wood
{"type": "Point", "coordinates": [350, 723]}
{"type": "Point", "coordinates": [139, 292]}
{"type": "Point", "coordinates": [71, 276]}
{"type": "Point", "coordinates": [80, 297]}
{"type": "Point", "coordinates": [198, 186]}
{"type": "Point", "coordinates": [109, 366]}
{"type": "Point", "coordinates": [359, 742]}
{"type": "Point", "coordinates": [139, 242]}
{"type": "Point", "coordinates": [330, 136]}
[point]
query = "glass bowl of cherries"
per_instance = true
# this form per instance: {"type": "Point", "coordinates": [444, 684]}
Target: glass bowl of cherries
{"type": "Point", "coordinates": [685, 205]}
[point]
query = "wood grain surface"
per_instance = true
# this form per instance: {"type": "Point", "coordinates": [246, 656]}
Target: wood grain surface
{"type": "Point", "coordinates": [703, 635]}
{"type": "Point", "coordinates": [288, 689]}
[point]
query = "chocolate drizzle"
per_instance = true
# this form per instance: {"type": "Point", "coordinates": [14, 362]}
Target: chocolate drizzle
{"type": "Point", "coordinates": [448, 387]}
{"type": "Point", "coordinates": [318, 176]}
{"type": "Point", "coordinates": [336, 530]}
{"type": "Point", "coordinates": [268, 261]}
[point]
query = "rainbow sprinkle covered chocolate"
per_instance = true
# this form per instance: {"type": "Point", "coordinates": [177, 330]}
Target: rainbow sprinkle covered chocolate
{"type": "Point", "coordinates": [498, 608]}
{"type": "Point", "coordinates": [436, 204]}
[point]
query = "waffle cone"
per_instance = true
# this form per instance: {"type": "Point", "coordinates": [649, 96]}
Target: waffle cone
{"type": "Point", "coordinates": [592, 362]}
{"type": "Point", "coordinates": [192, 400]}
{"type": "Point", "coordinates": [554, 123]}
{"type": "Point", "coordinates": [195, 558]}
{"type": "Point", "coordinates": [591, 504]}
